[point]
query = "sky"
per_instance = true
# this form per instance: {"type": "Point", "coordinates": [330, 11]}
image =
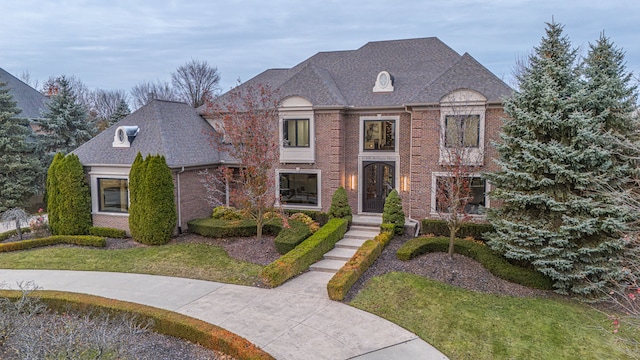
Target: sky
{"type": "Point", "coordinates": [117, 44]}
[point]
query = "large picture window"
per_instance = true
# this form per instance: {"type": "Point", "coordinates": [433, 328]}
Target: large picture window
{"type": "Point", "coordinates": [474, 204]}
{"type": "Point", "coordinates": [299, 189]}
{"type": "Point", "coordinates": [296, 132]}
{"type": "Point", "coordinates": [113, 195]}
{"type": "Point", "coordinates": [462, 130]}
{"type": "Point", "coordinates": [379, 135]}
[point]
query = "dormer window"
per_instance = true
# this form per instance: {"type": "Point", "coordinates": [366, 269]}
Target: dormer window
{"type": "Point", "coordinates": [125, 135]}
{"type": "Point", "coordinates": [384, 82]}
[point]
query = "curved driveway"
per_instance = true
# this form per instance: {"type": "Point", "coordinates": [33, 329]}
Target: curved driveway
{"type": "Point", "coordinates": [294, 321]}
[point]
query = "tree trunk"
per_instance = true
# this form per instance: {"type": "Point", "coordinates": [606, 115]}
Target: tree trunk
{"type": "Point", "coordinates": [18, 229]}
{"type": "Point", "coordinates": [452, 237]}
{"type": "Point", "coordinates": [259, 223]}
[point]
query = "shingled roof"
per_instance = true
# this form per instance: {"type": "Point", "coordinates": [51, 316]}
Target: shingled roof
{"type": "Point", "coordinates": [168, 128]}
{"type": "Point", "coordinates": [423, 71]}
{"type": "Point", "coordinates": [28, 99]}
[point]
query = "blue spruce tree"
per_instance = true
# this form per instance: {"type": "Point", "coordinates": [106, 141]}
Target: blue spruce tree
{"type": "Point", "coordinates": [555, 161]}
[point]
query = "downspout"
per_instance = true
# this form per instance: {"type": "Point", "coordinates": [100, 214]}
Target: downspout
{"type": "Point", "coordinates": [411, 220]}
{"type": "Point", "coordinates": [179, 201]}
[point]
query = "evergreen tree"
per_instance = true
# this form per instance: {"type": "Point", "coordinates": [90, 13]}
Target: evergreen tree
{"type": "Point", "coordinates": [392, 213]}
{"type": "Point", "coordinates": [52, 193]}
{"type": "Point", "coordinates": [121, 112]}
{"type": "Point", "coordinates": [65, 123]}
{"type": "Point", "coordinates": [160, 215]}
{"type": "Point", "coordinates": [74, 198]}
{"type": "Point", "coordinates": [136, 194]}
{"type": "Point", "coordinates": [340, 205]}
{"type": "Point", "coordinates": [552, 159]}
{"type": "Point", "coordinates": [20, 169]}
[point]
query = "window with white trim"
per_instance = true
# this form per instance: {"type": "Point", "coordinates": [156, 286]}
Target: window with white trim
{"type": "Point", "coordinates": [474, 187]}
{"type": "Point", "coordinates": [462, 131]}
{"type": "Point", "coordinates": [298, 189]}
{"type": "Point", "coordinates": [295, 132]}
{"type": "Point", "coordinates": [379, 135]}
{"type": "Point", "coordinates": [113, 195]}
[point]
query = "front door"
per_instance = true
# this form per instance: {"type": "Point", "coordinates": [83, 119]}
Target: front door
{"type": "Point", "coordinates": [379, 180]}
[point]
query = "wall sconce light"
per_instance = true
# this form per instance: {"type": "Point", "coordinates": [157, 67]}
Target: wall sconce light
{"type": "Point", "coordinates": [405, 183]}
{"type": "Point", "coordinates": [353, 181]}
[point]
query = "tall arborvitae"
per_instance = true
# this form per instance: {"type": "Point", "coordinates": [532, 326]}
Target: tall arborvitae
{"type": "Point", "coordinates": [20, 170]}
{"type": "Point", "coordinates": [152, 214]}
{"type": "Point", "coordinates": [160, 215]}
{"type": "Point", "coordinates": [65, 125]}
{"type": "Point", "coordinates": [74, 198]}
{"type": "Point", "coordinates": [136, 194]}
{"type": "Point", "coordinates": [552, 159]}
{"type": "Point", "coordinates": [53, 193]}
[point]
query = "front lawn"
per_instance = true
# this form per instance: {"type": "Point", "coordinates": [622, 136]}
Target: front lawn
{"type": "Point", "coordinates": [470, 325]}
{"type": "Point", "coordinates": [196, 261]}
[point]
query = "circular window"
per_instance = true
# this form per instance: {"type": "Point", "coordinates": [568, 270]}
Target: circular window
{"type": "Point", "coordinates": [383, 79]}
{"type": "Point", "coordinates": [121, 135]}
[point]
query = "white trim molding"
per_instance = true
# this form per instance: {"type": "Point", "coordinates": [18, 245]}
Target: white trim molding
{"type": "Point", "coordinates": [294, 108]}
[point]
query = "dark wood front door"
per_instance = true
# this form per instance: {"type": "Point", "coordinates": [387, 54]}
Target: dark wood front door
{"type": "Point", "coordinates": [379, 180]}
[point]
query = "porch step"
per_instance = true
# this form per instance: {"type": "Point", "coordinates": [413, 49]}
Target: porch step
{"type": "Point", "coordinates": [331, 266]}
{"type": "Point", "coordinates": [347, 243]}
{"type": "Point", "coordinates": [345, 248]}
{"type": "Point", "coordinates": [361, 234]}
{"type": "Point", "coordinates": [339, 253]}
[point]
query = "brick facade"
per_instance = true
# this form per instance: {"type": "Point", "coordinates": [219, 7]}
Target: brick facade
{"type": "Point", "coordinates": [339, 157]}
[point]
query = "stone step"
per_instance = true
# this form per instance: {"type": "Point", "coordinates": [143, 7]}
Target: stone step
{"type": "Point", "coordinates": [339, 253]}
{"type": "Point", "coordinates": [365, 228]}
{"type": "Point", "coordinates": [331, 266]}
{"type": "Point", "coordinates": [350, 243]}
{"type": "Point", "coordinates": [361, 234]}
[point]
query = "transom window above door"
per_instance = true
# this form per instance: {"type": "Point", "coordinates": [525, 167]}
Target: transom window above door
{"type": "Point", "coordinates": [379, 135]}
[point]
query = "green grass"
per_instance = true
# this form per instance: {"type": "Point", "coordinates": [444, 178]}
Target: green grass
{"type": "Point", "coordinates": [196, 261]}
{"type": "Point", "coordinates": [470, 325]}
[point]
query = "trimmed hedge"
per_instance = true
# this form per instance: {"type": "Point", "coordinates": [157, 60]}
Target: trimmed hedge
{"type": "Point", "coordinates": [218, 228]}
{"type": "Point", "coordinates": [306, 253]}
{"type": "Point", "coordinates": [7, 234]}
{"type": "Point", "coordinates": [491, 261]}
{"type": "Point", "coordinates": [318, 216]}
{"type": "Point", "coordinates": [83, 240]}
{"type": "Point", "coordinates": [107, 232]}
{"type": "Point", "coordinates": [289, 238]}
{"type": "Point", "coordinates": [439, 228]}
{"type": "Point", "coordinates": [164, 322]}
{"type": "Point", "coordinates": [367, 254]}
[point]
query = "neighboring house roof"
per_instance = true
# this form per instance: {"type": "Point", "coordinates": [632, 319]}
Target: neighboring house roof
{"type": "Point", "coordinates": [168, 128]}
{"type": "Point", "coordinates": [28, 99]}
{"type": "Point", "coordinates": [423, 71]}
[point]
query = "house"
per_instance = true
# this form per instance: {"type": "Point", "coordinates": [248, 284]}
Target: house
{"type": "Point", "coordinates": [29, 100]}
{"type": "Point", "coordinates": [370, 120]}
{"type": "Point", "coordinates": [172, 129]}
{"type": "Point", "coordinates": [379, 118]}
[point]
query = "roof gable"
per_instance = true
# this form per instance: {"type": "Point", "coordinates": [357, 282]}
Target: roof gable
{"type": "Point", "coordinates": [28, 99]}
{"type": "Point", "coordinates": [172, 129]}
{"type": "Point", "coordinates": [423, 70]}
{"type": "Point", "coordinates": [466, 73]}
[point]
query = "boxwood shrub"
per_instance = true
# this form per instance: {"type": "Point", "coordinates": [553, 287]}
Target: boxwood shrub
{"type": "Point", "coordinates": [107, 232]}
{"type": "Point", "coordinates": [318, 216]}
{"type": "Point", "coordinates": [164, 322]}
{"type": "Point", "coordinates": [218, 228]}
{"type": "Point", "coordinates": [306, 253]}
{"type": "Point", "coordinates": [290, 237]}
{"type": "Point", "coordinates": [367, 254]}
{"type": "Point", "coordinates": [439, 228]}
{"type": "Point", "coordinates": [84, 240]}
{"type": "Point", "coordinates": [496, 264]}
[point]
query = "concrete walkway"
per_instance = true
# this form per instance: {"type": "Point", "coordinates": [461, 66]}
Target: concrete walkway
{"type": "Point", "coordinates": [294, 321]}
